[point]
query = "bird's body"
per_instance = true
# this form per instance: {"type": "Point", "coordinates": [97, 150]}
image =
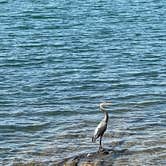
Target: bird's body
{"type": "Point", "coordinates": [102, 126]}
{"type": "Point", "coordinates": [99, 131]}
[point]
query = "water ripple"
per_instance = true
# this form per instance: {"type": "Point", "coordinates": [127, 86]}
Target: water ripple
{"type": "Point", "coordinates": [59, 60]}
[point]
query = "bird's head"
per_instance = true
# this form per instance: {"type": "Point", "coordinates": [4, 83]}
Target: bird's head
{"type": "Point", "coordinates": [105, 104]}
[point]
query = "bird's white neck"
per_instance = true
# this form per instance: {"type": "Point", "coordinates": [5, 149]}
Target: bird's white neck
{"type": "Point", "coordinates": [106, 117]}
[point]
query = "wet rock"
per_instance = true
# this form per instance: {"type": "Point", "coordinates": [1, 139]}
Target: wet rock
{"type": "Point", "coordinates": [71, 163]}
{"type": "Point", "coordinates": [89, 155]}
{"type": "Point", "coordinates": [94, 163]}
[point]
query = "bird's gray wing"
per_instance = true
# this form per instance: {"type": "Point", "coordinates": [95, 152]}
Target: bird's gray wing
{"type": "Point", "coordinates": [99, 131]}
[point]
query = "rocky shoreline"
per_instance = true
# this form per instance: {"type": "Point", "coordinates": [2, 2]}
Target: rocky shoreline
{"type": "Point", "coordinates": [104, 157]}
{"type": "Point", "coordinates": [107, 157]}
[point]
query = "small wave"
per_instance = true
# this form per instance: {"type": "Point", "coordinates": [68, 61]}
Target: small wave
{"type": "Point", "coordinates": [24, 128]}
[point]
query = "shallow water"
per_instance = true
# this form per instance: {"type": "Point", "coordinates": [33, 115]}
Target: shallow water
{"type": "Point", "coordinates": [59, 60]}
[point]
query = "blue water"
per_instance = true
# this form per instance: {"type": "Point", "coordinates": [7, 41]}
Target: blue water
{"type": "Point", "coordinates": [60, 59]}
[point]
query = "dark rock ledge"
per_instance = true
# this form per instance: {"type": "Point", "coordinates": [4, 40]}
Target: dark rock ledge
{"type": "Point", "coordinates": [104, 157]}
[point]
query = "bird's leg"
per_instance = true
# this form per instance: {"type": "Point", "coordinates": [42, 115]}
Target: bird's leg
{"type": "Point", "coordinates": [100, 146]}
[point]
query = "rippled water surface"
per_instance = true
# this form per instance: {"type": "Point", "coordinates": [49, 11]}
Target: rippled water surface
{"type": "Point", "coordinates": [60, 59]}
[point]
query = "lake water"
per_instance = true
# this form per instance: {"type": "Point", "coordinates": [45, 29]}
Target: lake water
{"type": "Point", "coordinates": [60, 59]}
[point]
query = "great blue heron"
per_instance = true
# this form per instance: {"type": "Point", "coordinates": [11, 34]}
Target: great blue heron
{"type": "Point", "coordinates": [102, 126]}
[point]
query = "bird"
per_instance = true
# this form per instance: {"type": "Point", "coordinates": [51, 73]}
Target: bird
{"type": "Point", "coordinates": [102, 126]}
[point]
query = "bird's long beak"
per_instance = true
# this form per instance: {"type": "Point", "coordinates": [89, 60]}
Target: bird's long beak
{"type": "Point", "coordinates": [108, 103]}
